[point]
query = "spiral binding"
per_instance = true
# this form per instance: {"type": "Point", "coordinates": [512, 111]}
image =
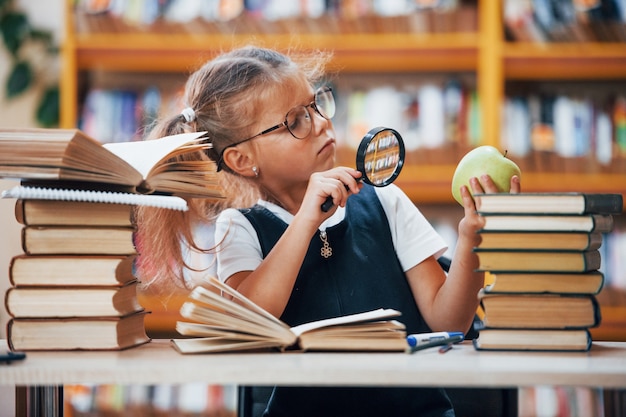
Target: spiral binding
{"type": "Point", "coordinates": [40, 193]}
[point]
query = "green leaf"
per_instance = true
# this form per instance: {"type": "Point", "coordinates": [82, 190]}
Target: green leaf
{"type": "Point", "coordinates": [20, 78]}
{"type": "Point", "coordinates": [43, 36]}
{"type": "Point", "coordinates": [48, 109]}
{"type": "Point", "coordinates": [15, 29]}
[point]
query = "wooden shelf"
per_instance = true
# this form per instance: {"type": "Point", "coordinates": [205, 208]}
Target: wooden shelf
{"type": "Point", "coordinates": [559, 61]}
{"type": "Point", "coordinates": [388, 52]}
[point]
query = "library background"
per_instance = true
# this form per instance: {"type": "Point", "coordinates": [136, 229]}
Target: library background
{"type": "Point", "coordinates": [543, 80]}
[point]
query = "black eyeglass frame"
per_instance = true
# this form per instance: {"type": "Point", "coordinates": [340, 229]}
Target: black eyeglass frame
{"type": "Point", "coordinates": [312, 104]}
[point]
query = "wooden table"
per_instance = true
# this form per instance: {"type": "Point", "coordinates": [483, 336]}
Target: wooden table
{"type": "Point", "coordinates": [157, 362]}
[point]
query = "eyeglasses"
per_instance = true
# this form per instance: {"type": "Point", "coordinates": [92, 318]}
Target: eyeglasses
{"type": "Point", "coordinates": [298, 120]}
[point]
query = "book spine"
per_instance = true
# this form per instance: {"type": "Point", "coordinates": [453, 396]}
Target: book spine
{"type": "Point", "coordinates": [6, 303]}
{"type": "Point", "coordinates": [602, 223]}
{"type": "Point", "coordinates": [20, 211]}
{"type": "Point", "coordinates": [10, 335]}
{"type": "Point", "coordinates": [23, 240]}
{"type": "Point", "coordinates": [592, 260]}
{"type": "Point", "coordinates": [597, 311]}
{"type": "Point", "coordinates": [604, 203]}
{"type": "Point", "coordinates": [11, 267]}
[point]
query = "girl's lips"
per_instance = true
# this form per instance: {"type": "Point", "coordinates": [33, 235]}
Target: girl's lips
{"type": "Point", "coordinates": [330, 143]}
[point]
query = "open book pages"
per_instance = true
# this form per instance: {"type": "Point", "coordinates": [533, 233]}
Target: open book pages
{"type": "Point", "coordinates": [221, 324]}
{"type": "Point", "coordinates": [70, 156]}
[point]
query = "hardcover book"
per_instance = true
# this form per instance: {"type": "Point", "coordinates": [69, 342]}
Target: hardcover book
{"type": "Point", "coordinates": [89, 333]}
{"type": "Point", "coordinates": [549, 203]}
{"type": "Point", "coordinates": [71, 270]}
{"type": "Point", "coordinates": [599, 223]}
{"type": "Point", "coordinates": [539, 311]}
{"type": "Point", "coordinates": [575, 340]}
{"type": "Point", "coordinates": [562, 241]}
{"type": "Point", "coordinates": [73, 240]}
{"type": "Point", "coordinates": [537, 260]}
{"type": "Point", "coordinates": [53, 302]}
{"type": "Point", "coordinates": [545, 282]}
{"type": "Point", "coordinates": [34, 212]}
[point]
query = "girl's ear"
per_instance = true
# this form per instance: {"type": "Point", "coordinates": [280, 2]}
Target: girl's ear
{"type": "Point", "coordinates": [240, 162]}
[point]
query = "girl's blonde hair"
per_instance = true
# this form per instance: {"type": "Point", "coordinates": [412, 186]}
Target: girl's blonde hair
{"type": "Point", "coordinates": [226, 94]}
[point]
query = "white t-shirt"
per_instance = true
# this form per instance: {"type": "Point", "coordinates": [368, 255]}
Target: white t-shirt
{"type": "Point", "coordinates": [202, 264]}
{"type": "Point", "coordinates": [414, 238]}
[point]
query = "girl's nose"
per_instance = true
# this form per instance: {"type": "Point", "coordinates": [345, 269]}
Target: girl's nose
{"type": "Point", "coordinates": [320, 123]}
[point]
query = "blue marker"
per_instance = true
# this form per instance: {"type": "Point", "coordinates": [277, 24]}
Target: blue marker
{"type": "Point", "coordinates": [418, 339]}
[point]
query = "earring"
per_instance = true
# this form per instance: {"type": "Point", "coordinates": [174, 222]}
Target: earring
{"type": "Point", "coordinates": [256, 171]}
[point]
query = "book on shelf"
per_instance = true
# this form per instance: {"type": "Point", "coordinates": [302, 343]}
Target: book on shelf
{"type": "Point", "coordinates": [141, 166]}
{"type": "Point", "coordinates": [220, 324]}
{"type": "Point", "coordinates": [539, 311]}
{"type": "Point", "coordinates": [549, 203]}
{"type": "Point", "coordinates": [519, 240]}
{"type": "Point", "coordinates": [42, 240]}
{"type": "Point", "coordinates": [598, 223]}
{"type": "Point", "coordinates": [69, 301]}
{"type": "Point", "coordinates": [537, 260]}
{"type": "Point", "coordinates": [71, 270]}
{"type": "Point", "coordinates": [575, 340]}
{"type": "Point", "coordinates": [552, 282]}
{"type": "Point", "coordinates": [77, 333]}
{"type": "Point", "coordinates": [77, 213]}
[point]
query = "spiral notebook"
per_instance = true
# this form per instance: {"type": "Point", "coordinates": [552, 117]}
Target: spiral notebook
{"type": "Point", "coordinates": [65, 194]}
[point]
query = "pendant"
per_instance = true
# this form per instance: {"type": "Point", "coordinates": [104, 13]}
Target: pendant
{"type": "Point", "coordinates": [326, 250]}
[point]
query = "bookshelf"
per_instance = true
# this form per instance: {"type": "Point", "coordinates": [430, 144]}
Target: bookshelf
{"type": "Point", "coordinates": [378, 45]}
{"type": "Point", "coordinates": [484, 52]}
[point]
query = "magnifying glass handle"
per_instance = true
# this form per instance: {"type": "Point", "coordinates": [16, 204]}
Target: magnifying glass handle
{"type": "Point", "coordinates": [328, 204]}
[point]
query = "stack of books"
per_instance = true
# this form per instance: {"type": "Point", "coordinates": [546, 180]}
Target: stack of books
{"type": "Point", "coordinates": [542, 251]}
{"type": "Point", "coordinates": [73, 287]}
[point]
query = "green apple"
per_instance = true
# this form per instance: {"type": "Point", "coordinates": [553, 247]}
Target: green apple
{"type": "Point", "coordinates": [484, 160]}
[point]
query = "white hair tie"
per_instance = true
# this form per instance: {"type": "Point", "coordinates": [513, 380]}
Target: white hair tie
{"type": "Point", "coordinates": [188, 114]}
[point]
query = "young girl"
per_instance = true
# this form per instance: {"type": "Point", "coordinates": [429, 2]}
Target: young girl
{"type": "Point", "coordinates": [270, 126]}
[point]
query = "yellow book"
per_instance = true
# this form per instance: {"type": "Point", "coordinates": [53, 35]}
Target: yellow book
{"type": "Point", "coordinates": [78, 240]}
{"type": "Point", "coordinates": [71, 270]}
{"type": "Point", "coordinates": [68, 301]}
{"type": "Point", "coordinates": [35, 212]}
{"type": "Point", "coordinates": [539, 311]}
{"type": "Point", "coordinates": [77, 333]}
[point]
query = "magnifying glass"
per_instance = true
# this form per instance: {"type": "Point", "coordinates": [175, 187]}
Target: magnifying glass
{"type": "Point", "coordinates": [379, 158]}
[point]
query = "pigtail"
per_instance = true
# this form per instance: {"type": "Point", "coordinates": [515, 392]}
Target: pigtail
{"type": "Point", "coordinates": [159, 232]}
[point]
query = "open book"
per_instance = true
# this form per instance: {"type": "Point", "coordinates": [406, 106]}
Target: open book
{"type": "Point", "coordinates": [69, 155]}
{"type": "Point", "coordinates": [220, 324]}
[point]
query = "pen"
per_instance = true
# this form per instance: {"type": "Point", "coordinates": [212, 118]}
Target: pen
{"type": "Point", "coordinates": [437, 342]}
{"type": "Point", "coordinates": [421, 338]}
